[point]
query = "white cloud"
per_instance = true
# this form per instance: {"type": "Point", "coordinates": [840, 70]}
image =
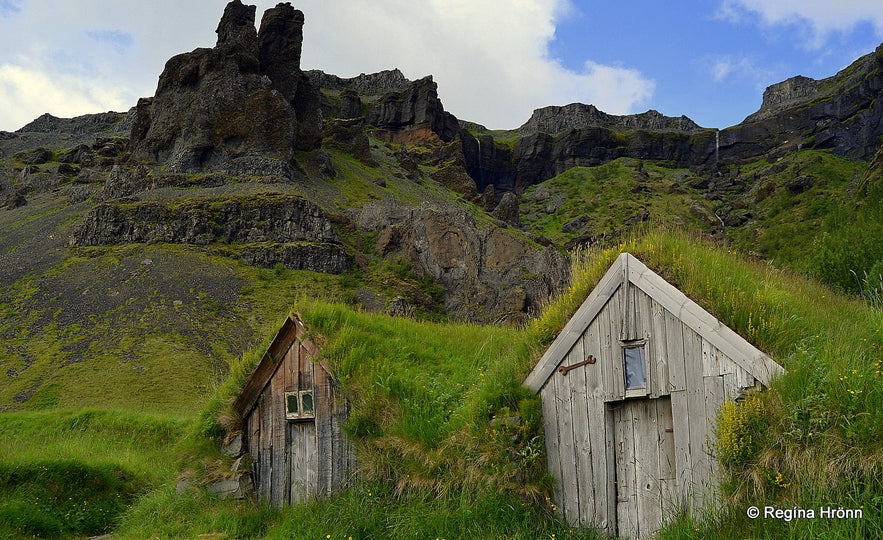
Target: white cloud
{"type": "Point", "coordinates": [25, 94]}
{"type": "Point", "coordinates": [490, 59]}
{"type": "Point", "coordinates": [744, 68]}
{"type": "Point", "coordinates": [822, 17]}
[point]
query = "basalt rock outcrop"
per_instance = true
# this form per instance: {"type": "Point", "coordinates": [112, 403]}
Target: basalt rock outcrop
{"type": "Point", "coordinates": [555, 139]}
{"type": "Point", "coordinates": [555, 119]}
{"type": "Point", "coordinates": [488, 274]}
{"type": "Point", "coordinates": [402, 110]}
{"type": "Point", "coordinates": [262, 230]}
{"type": "Point", "coordinates": [242, 106]}
{"type": "Point", "coordinates": [843, 113]}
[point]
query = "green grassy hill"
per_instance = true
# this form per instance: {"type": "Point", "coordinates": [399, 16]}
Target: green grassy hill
{"type": "Point", "coordinates": [432, 403]}
{"type": "Point", "coordinates": [120, 360]}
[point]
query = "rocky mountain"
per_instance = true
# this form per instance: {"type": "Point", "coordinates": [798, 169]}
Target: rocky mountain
{"type": "Point", "coordinates": [243, 106]}
{"type": "Point", "coordinates": [376, 194]}
{"type": "Point", "coordinates": [242, 152]}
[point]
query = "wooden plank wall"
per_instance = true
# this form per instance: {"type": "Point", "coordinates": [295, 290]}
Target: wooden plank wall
{"type": "Point", "coordinates": [686, 371]}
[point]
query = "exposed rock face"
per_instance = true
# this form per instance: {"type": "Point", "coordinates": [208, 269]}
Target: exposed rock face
{"type": "Point", "coordinates": [268, 218]}
{"type": "Point", "coordinates": [373, 84]}
{"type": "Point", "coordinates": [270, 229]}
{"type": "Point", "coordinates": [417, 105]}
{"type": "Point", "coordinates": [539, 156]}
{"type": "Point", "coordinates": [555, 119]}
{"type": "Point", "coordinates": [280, 42]}
{"type": "Point", "coordinates": [843, 113]}
{"type": "Point", "coordinates": [392, 103]}
{"type": "Point", "coordinates": [224, 109]}
{"type": "Point", "coordinates": [780, 96]}
{"type": "Point", "coordinates": [109, 123]}
{"type": "Point", "coordinates": [488, 273]}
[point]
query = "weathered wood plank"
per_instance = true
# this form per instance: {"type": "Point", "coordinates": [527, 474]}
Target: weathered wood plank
{"type": "Point", "coordinates": [303, 459]}
{"type": "Point", "coordinates": [658, 350]}
{"type": "Point", "coordinates": [610, 458]}
{"type": "Point", "coordinates": [575, 327]}
{"type": "Point", "coordinates": [646, 464]}
{"type": "Point", "coordinates": [710, 360]}
{"type": "Point", "coordinates": [266, 453]}
{"type": "Point", "coordinates": [275, 392]}
{"type": "Point", "coordinates": [683, 458]}
{"type": "Point", "coordinates": [626, 307]}
{"type": "Point", "coordinates": [668, 495]}
{"type": "Point", "coordinates": [324, 445]}
{"type": "Point", "coordinates": [714, 398]}
{"type": "Point", "coordinates": [253, 440]}
{"type": "Point", "coordinates": [340, 458]}
{"type": "Point", "coordinates": [596, 411]}
{"type": "Point", "coordinates": [743, 378]}
{"type": "Point", "coordinates": [606, 358]}
{"type": "Point", "coordinates": [569, 473]}
{"type": "Point", "coordinates": [265, 369]}
{"type": "Point", "coordinates": [548, 401]}
{"type": "Point", "coordinates": [731, 387]}
{"type": "Point", "coordinates": [674, 342]}
{"type": "Point", "coordinates": [626, 479]}
{"type": "Point", "coordinates": [696, 411]}
{"type": "Point", "coordinates": [614, 348]}
{"type": "Point", "coordinates": [581, 433]}
{"type": "Point", "coordinates": [644, 330]}
{"type": "Point", "coordinates": [725, 363]}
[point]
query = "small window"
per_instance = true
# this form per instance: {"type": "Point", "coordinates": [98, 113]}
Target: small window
{"type": "Point", "coordinates": [634, 367]}
{"type": "Point", "coordinates": [299, 405]}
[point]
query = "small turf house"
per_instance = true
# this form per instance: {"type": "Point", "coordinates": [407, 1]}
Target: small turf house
{"type": "Point", "coordinates": [630, 390]}
{"type": "Point", "coordinates": [292, 421]}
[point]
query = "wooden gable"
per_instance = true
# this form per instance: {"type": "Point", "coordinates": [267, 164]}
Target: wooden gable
{"type": "Point", "coordinates": [626, 459]}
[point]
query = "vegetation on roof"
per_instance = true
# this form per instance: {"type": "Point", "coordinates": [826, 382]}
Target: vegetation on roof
{"type": "Point", "coordinates": [451, 444]}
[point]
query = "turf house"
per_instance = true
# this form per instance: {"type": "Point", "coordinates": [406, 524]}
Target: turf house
{"type": "Point", "coordinates": [630, 390]}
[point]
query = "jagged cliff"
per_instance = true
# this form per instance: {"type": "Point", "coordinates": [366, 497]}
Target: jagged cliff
{"type": "Point", "coordinates": [243, 106]}
{"type": "Point", "coordinates": [241, 153]}
{"type": "Point", "coordinates": [842, 113]}
{"type": "Point", "coordinates": [173, 235]}
{"type": "Point", "coordinates": [243, 113]}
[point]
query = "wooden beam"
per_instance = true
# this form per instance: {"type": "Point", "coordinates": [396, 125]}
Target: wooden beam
{"type": "Point", "coordinates": [575, 327]}
{"type": "Point", "coordinates": [265, 369]}
{"type": "Point", "coordinates": [704, 323]}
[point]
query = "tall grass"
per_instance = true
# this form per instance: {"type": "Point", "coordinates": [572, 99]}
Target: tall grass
{"type": "Point", "coordinates": [822, 435]}
{"type": "Point", "coordinates": [450, 444]}
{"type": "Point", "coordinates": [70, 473]}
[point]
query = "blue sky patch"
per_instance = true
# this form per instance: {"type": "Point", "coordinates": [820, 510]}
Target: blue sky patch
{"type": "Point", "coordinates": [8, 7]}
{"type": "Point", "coordinates": [120, 39]}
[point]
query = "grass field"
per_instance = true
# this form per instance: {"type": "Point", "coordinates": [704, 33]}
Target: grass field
{"type": "Point", "coordinates": [437, 463]}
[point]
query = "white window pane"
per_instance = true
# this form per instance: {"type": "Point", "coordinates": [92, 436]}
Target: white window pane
{"type": "Point", "coordinates": [292, 408]}
{"type": "Point", "coordinates": [307, 402]}
{"type": "Point", "coordinates": [635, 377]}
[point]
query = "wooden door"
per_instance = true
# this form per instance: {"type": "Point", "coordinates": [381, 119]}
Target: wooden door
{"type": "Point", "coordinates": [303, 461]}
{"type": "Point", "coordinates": [645, 465]}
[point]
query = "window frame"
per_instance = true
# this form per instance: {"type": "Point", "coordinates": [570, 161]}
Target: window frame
{"type": "Point", "coordinates": [637, 391]}
{"type": "Point", "coordinates": [301, 413]}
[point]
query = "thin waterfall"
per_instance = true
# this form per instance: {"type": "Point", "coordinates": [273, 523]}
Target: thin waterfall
{"type": "Point", "coordinates": [480, 168]}
{"type": "Point", "coordinates": [717, 145]}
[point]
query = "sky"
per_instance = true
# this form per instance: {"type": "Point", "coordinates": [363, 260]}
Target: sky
{"type": "Point", "coordinates": [494, 61]}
